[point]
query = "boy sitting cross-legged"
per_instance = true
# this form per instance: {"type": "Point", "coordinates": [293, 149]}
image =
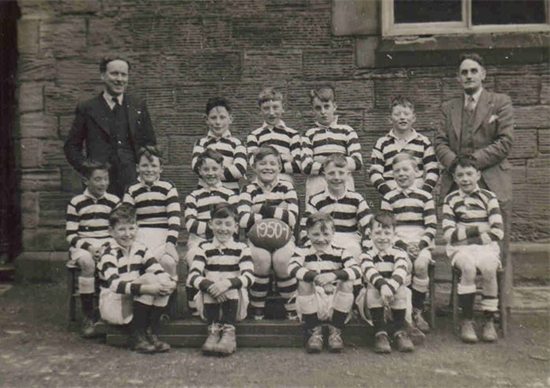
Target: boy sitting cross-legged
{"type": "Point", "coordinates": [222, 270]}
{"type": "Point", "coordinates": [416, 224]}
{"type": "Point", "coordinates": [198, 205]}
{"type": "Point", "coordinates": [134, 287]}
{"type": "Point", "coordinates": [385, 269]}
{"type": "Point", "coordinates": [472, 226]}
{"type": "Point", "coordinates": [87, 231]}
{"type": "Point", "coordinates": [325, 274]}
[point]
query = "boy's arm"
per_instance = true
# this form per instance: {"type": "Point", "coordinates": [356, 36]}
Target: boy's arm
{"type": "Point", "coordinates": [400, 271]}
{"type": "Point", "coordinates": [310, 209]}
{"type": "Point", "coordinates": [288, 215]}
{"type": "Point", "coordinates": [431, 168]}
{"type": "Point", "coordinates": [173, 210]}
{"type": "Point", "coordinates": [192, 223]}
{"type": "Point", "coordinates": [354, 157]}
{"type": "Point", "coordinates": [246, 266]}
{"type": "Point", "coordinates": [237, 169]}
{"type": "Point", "coordinates": [376, 171]}
{"type": "Point", "coordinates": [198, 149]}
{"type": "Point", "coordinates": [351, 270]}
{"type": "Point", "coordinates": [370, 273]}
{"type": "Point", "coordinates": [309, 166]}
{"type": "Point", "coordinates": [71, 228]}
{"type": "Point", "coordinates": [496, 224]}
{"type": "Point", "coordinates": [430, 224]}
{"type": "Point", "coordinates": [196, 271]}
{"type": "Point", "coordinates": [449, 225]}
{"type": "Point", "coordinates": [363, 216]}
{"type": "Point", "coordinates": [296, 152]}
{"type": "Point", "coordinates": [108, 271]}
{"type": "Point", "coordinates": [246, 217]}
{"type": "Point", "coordinates": [128, 198]}
{"type": "Point", "coordinates": [252, 144]}
{"type": "Point", "coordinates": [297, 270]}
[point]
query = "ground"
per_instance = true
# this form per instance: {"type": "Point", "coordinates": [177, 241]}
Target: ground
{"type": "Point", "coordinates": [37, 350]}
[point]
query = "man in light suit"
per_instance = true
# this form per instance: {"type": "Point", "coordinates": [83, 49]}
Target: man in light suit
{"type": "Point", "coordinates": [480, 123]}
{"type": "Point", "coordinates": [113, 126]}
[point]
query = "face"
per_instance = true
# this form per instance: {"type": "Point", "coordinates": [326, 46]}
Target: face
{"type": "Point", "coordinates": [336, 177]}
{"type": "Point", "coordinates": [218, 120]}
{"type": "Point", "coordinates": [382, 238]}
{"type": "Point", "coordinates": [115, 77]}
{"type": "Point", "coordinates": [404, 173]}
{"type": "Point", "coordinates": [471, 76]}
{"type": "Point", "coordinates": [402, 118]}
{"type": "Point", "coordinates": [466, 178]}
{"type": "Point", "coordinates": [267, 168]}
{"type": "Point", "coordinates": [323, 111]}
{"type": "Point", "coordinates": [124, 233]}
{"type": "Point", "coordinates": [211, 172]}
{"type": "Point", "coordinates": [272, 111]}
{"type": "Point", "coordinates": [149, 170]}
{"type": "Point", "coordinates": [223, 228]}
{"type": "Point", "coordinates": [97, 183]}
{"type": "Point", "coordinates": [321, 239]}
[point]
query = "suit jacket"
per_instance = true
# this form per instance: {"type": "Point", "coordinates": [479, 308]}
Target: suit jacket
{"type": "Point", "coordinates": [492, 135]}
{"type": "Point", "coordinates": [91, 127]}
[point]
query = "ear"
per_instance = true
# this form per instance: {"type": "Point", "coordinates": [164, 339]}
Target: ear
{"type": "Point", "coordinates": [389, 120]}
{"type": "Point", "coordinates": [483, 74]}
{"type": "Point", "coordinates": [103, 76]}
{"type": "Point", "coordinates": [111, 230]}
{"type": "Point", "coordinates": [413, 118]}
{"type": "Point", "coordinates": [230, 118]}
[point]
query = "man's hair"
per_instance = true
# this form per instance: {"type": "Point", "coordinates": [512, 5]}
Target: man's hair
{"type": "Point", "coordinates": [473, 57]}
{"type": "Point", "coordinates": [401, 101]}
{"type": "Point", "coordinates": [339, 160]}
{"type": "Point", "coordinates": [402, 156]}
{"type": "Point", "coordinates": [215, 102]}
{"type": "Point", "coordinates": [149, 152]}
{"type": "Point", "coordinates": [209, 153]}
{"type": "Point", "coordinates": [265, 151]}
{"type": "Point", "coordinates": [385, 219]}
{"type": "Point", "coordinates": [321, 218]}
{"type": "Point", "coordinates": [464, 161]}
{"type": "Point", "coordinates": [269, 94]}
{"type": "Point", "coordinates": [125, 213]}
{"type": "Point", "coordinates": [323, 93]}
{"type": "Point", "coordinates": [108, 59]}
{"type": "Point", "coordinates": [89, 166]}
{"type": "Point", "coordinates": [223, 210]}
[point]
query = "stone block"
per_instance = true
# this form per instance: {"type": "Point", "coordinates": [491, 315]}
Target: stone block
{"type": "Point", "coordinates": [53, 207]}
{"type": "Point", "coordinates": [27, 36]}
{"type": "Point", "coordinates": [365, 51]}
{"type": "Point", "coordinates": [30, 153]}
{"type": "Point", "coordinates": [63, 37]}
{"type": "Point", "coordinates": [51, 153]}
{"type": "Point", "coordinates": [40, 180]}
{"type": "Point", "coordinates": [219, 65]}
{"type": "Point", "coordinates": [216, 32]}
{"type": "Point", "coordinates": [33, 68]}
{"type": "Point", "coordinates": [307, 29]}
{"type": "Point", "coordinates": [63, 100]}
{"type": "Point", "coordinates": [180, 149]}
{"type": "Point", "coordinates": [183, 177]}
{"type": "Point", "coordinates": [538, 170]}
{"type": "Point", "coordinates": [74, 74]}
{"type": "Point", "coordinates": [80, 6]}
{"type": "Point", "coordinates": [425, 92]}
{"type": "Point", "coordinates": [71, 181]}
{"type": "Point", "coordinates": [64, 125]}
{"type": "Point", "coordinates": [44, 239]}
{"type": "Point", "coordinates": [37, 125]}
{"type": "Point", "coordinates": [519, 171]}
{"type": "Point", "coordinates": [452, 89]}
{"type": "Point", "coordinates": [523, 90]}
{"type": "Point", "coordinates": [328, 64]}
{"type": "Point", "coordinates": [532, 116]}
{"type": "Point", "coordinates": [525, 144]}
{"type": "Point", "coordinates": [254, 31]}
{"type": "Point", "coordinates": [31, 97]}
{"type": "Point", "coordinates": [187, 35]}
{"type": "Point", "coordinates": [354, 17]}
{"type": "Point", "coordinates": [29, 210]}
{"type": "Point", "coordinates": [174, 123]}
{"type": "Point", "coordinates": [545, 90]}
{"type": "Point", "coordinates": [543, 136]}
{"type": "Point", "coordinates": [36, 9]}
{"type": "Point", "coordinates": [272, 65]}
{"type": "Point", "coordinates": [102, 33]}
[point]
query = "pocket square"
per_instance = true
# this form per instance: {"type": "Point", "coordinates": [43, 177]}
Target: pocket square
{"type": "Point", "coordinates": [493, 118]}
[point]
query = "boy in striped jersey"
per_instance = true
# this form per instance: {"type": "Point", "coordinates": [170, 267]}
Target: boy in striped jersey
{"type": "Point", "coordinates": [222, 270]}
{"type": "Point", "coordinates": [269, 197]}
{"type": "Point", "coordinates": [385, 269]}
{"type": "Point", "coordinates": [274, 132]}
{"type": "Point", "coordinates": [218, 118]}
{"type": "Point", "coordinates": [326, 138]}
{"type": "Point", "coordinates": [403, 137]}
{"type": "Point", "coordinates": [87, 231]}
{"type": "Point", "coordinates": [415, 215]}
{"type": "Point", "coordinates": [325, 274]}
{"type": "Point", "coordinates": [158, 209]}
{"type": "Point", "coordinates": [198, 205]}
{"type": "Point", "coordinates": [134, 287]}
{"type": "Point", "coordinates": [472, 226]}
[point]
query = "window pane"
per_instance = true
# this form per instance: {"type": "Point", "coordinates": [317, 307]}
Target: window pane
{"type": "Point", "coordinates": [508, 12]}
{"type": "Point", "coordinates": [425, 11]}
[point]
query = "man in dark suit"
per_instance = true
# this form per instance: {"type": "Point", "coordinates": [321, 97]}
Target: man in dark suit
{"type": "Point", "coordinates": [113, 125]}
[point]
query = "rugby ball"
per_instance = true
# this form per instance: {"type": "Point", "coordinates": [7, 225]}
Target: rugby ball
{"type": "Point", "coordinates": [270, 234]}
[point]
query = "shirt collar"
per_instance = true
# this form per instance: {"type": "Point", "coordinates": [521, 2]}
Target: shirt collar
{"type": "Point", "coordinates": [90, 195]}
{"type": "Point", "coordinates": [264, 187]}
{"type": "Point", "coordinates": [109, 99]}
{"type": "Point", "coordinates": [375, 251]}
{"type": "Point", "coordinates": [474, 192]}
{"type": "Point", "coordinates": [408, 190]}
{"type": "Point", "coordinates": [410, 137]}
{"type": "Point", "coordinates": [281, 125]}
{"type": "Point", "coordinates": [216, 187]}
{"type": "Point", "coordinates": [145, 184]}
{"type": "Point", "coordinates": [225, 135]}
{"type": "Point", "coordinates": [333, 124]}
{"type": "Point", "coordinates": [329, 194]}
{"type": "Point", "coordinates": [220, 245]}
{"type": "Point", "coordinates": [475, 96]}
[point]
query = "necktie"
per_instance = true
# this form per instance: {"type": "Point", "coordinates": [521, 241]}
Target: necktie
{"type": "Point", "coordinates": [470, 104]}
{"type": "Point", "coordinates": [115, 100]}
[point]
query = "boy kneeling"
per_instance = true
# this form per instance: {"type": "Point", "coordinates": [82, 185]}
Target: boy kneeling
{"type": "Point", "coordinates": [134, 287]}
{"type": "Point", "coordinates": [325, 274]}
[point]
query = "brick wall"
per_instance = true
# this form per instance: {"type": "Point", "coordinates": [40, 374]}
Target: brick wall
{"type": "Point", "coordinates": [184, 52]}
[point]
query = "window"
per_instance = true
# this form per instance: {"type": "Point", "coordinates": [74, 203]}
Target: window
{"type": "Point", "coordinates": [427, 17]}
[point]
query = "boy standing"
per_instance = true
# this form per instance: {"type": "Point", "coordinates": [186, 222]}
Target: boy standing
{"type": "Point", "coordinates": [403, 138]}
{"type": "Point", "coordinates": [416, 224]}
{"type": "Point", "coordinates": [218, 118]}
{"type": "Point", "coordinates": [275, 133]}
{"type": "Point", "coordinates": [325, 274]}
{"type": "Point", "coordinates": [134, 287]}
{"type": "Point", "coordinates": [326, 138]}
{"type": "Point", "coordinates": [87, 231]}
{"type": "Point", "coordinates": [472, 227]}
{"type": "Point", "coordinates": [222, 270]}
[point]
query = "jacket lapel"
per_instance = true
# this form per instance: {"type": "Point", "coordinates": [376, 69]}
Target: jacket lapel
{"type": "Point", "coordinates": [98, 112]}
{"type": "Point", "coordinates": [132, 114]}
{"type": "Point", "coordinates": [482, 109]}
{"type": "Point", "coordinates": [456, 115]}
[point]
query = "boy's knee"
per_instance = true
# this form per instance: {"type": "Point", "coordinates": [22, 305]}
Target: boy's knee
{"type": "Point", "coordinates": [422, 263]}
{"type": "Point", "coordinates": [169, 264]}
{"type": "Point", "coordinates": [466, 266]}
{"type": "Point", "coordinates": [280, 266]}
{"type": "Point", "coordinates": [87, 265]}
{"type": "Point", "coordinates": [305, 288]}
{"type": "Point", "coordinates": [488, 268]}
{"type": "Point", "coordinates": [262, 261]}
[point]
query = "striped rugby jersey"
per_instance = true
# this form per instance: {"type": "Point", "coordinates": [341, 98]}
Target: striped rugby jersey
{"type": "Point", "coordinates": [472, 219]}
{"type": "Point", "coordinates": [88, 217]}
{"type": "Point", "coordinates": [388, 267]}
{"type": "Point", "coordinates": [385, 149]}
{"type": "Point", "coordinates": [214, 261]}
{"type": "Point", "coordinates": [157, 206]}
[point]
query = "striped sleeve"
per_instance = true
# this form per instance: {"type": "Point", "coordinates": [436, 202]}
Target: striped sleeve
{"type": "Point", "coordinates": [192, 223]}
{"type": "Point", "coordinates": [246, 266]}
{"type": "Point", "coordinates": [351, 268]}
{"type": "Point", "coordinates": [400, 270]}
{"type": "Point", "coordinates": [173, 211]}
{"type": "Point", "coordinates": [370, 273]}
{"type": "Point", "coordinates": [246, 217]}
{"type": "Point", "coordinates": [296, 152]}
{"type": "Point", "coordinates": [198, 149]}
{"type": "Point", "coordinates": [354, 157]}
{"type": "Point", "coordinates": [108, 271]}
{"type": "Point", "coordinates": [451, 232]}
{"type": "Point", "coordinates": [196, 271]}
{"type": "Point", "coordinates": [431, 167]}
{"type": "Point", "coordinates": [296, 267]}
{"type": "Point", "coordinates": [496, 224]}
{"type": "Point", "coordinates": [71, 227]}
{"type": "Point", "coordinates": [252, 144]}
{"type": "Point", "coordinates": [309, 166]}
{"type": "Point", "coordinates": [237, 168]}
{"type": "Point", "coordinates": [376, 171]}
{"type": "Point", "coordinates": [430, 224]}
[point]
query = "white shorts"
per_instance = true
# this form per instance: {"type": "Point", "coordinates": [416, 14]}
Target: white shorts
{"type": "Point", "coordinates": [241, 295]}
{"type": "Point", "coordinates": [114, 308]}
{"type": "Point", "coordinates": [474, 252]}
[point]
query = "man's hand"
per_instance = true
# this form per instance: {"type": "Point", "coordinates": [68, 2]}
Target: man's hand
{"type": "Point", "coordinates": [219, 288]}
{"type": "Point", "coordinates": [387, 295]}
{"type": "Point", "coordinates": [324, 279]}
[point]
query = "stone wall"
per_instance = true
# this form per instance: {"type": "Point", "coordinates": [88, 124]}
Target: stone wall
{"type": "Point", "coordinates": [183, 52]}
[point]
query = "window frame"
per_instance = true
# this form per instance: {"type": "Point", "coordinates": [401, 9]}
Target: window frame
{"type": "Point", "coordinates": [390, 28]}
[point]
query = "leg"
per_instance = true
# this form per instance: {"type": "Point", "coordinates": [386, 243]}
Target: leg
{"type": "Point", "coordinates": [260, 288]}
{"type": "Point", "coordinates": [140, 321]}
{"type": "Point", "coordinates": [398, 308]}
{"type": "Point", "coordinates": [466, 295]}
{"type": "Point", "coordinates": [420, 283]}
{"type": "Point", "coordinates": [287, 285]}
{"type": "Point", "coordinates": [306, 302]}
{"type": "Point", "coordinates": [488, 266]}
{"type": "Point", "coordinates": [341, 305]}
{"type": "Point", "coordinates": [190, 291]}
{"type": "Point", "coordinates": [86, 289]}
{"type": "Point", "coordinates": [228, 342]}
{"type": "Point", "coordinates": [212, 314]}
{"type": "Point", "coordinates": [376, 308]}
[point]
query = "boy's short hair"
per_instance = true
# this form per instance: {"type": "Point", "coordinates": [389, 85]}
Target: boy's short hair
{"type": "Point", "coordinates": [89, 166]}
{"type": "Point", "coordinates": [473, 57]}
{"type": "Point", "coordinates": [339, 160]}
{"type": "Point", "coordinates": [401, 101]}
{"type": "Point", "coordinates": [323, 93]}
{"type": "Point", "coordinates": [149, 152]}
{"type": "Point", "coordinates": [223, 210]}
{"type": "Point", "coordinates": [463, 161]}
{"type": "Point", "coordinates": [125, 213]}
{"type": "Point", "coordinates": [321, 218]}
{"type": "Point", "coordinates": [209, 153]}
{"type": "Point", "coordinates": [269, 94]}
{"type": "Point", "coordinates": [108, 59]}
{"type": "Point", "coordinates": [385, 219]}
{"type": "Point", "coordinates": [402, 156]}
{"type": "Point", "coordinates": [217, 102]}
{"type": "Point", "coordinates": [264, 151]}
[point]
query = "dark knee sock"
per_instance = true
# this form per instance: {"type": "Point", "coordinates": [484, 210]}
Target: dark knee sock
{"type": "Point", "coordinates": [154, 318]}
{"type": "Point", "coordinates": [229, 311]}
{"type": "Point", "coordinates": [466, 302]}
{"type": "Point", "coordinates": [378, 320]}
{"type": "Point", "coordinates": [418, 299]}
{"type": "Point", "coordinates": [87, 302]}
{"type": "Point", "coordinates": [191, 292]}
{"type": "Point", "coordinates": [398, 319]}
{"type": "Point", "coordinates": [310, 321]}
{"type": "Point", "coordinates": [356, 290]}
{"type": "Point", "coordinates": [140, 321]}
{"type": "Point", "coordinates": [339, 319]}
{"type": "Point", "coordinates": [211, 312]}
